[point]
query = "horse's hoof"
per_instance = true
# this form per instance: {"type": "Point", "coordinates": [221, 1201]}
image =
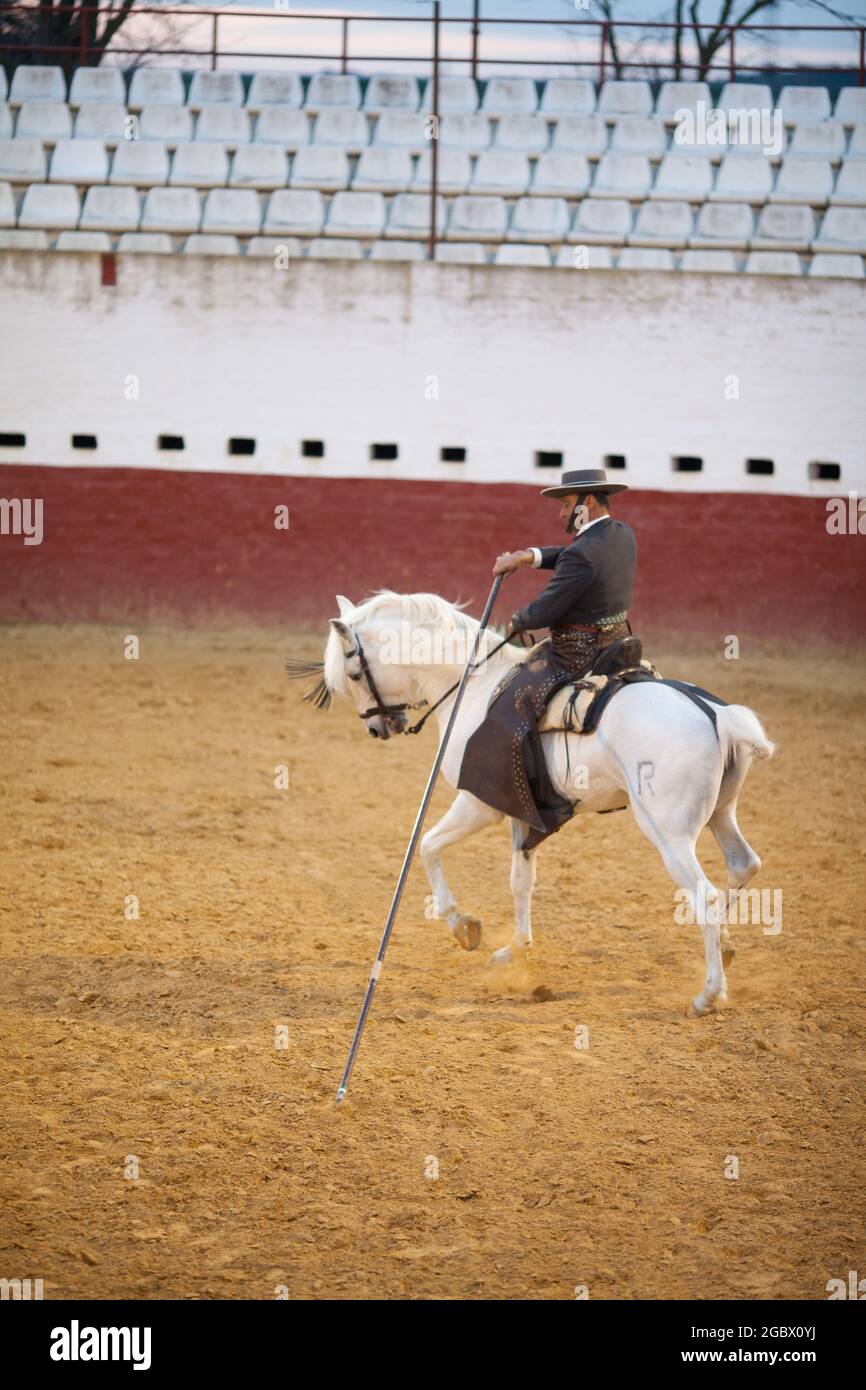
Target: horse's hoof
{"type": "Point", "coordinates": [467, 931]}
{"type": "Point", "coordinates": [699, 1008]}
{"type": "Point", "coordinates": [504, 956]}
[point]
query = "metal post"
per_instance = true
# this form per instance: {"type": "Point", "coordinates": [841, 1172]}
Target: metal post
{"type": "Point", "coordinates": [344, 53]}
{"type": "Point", "coordinates": [434, 161]}
{"type": "Point", "coordinates": [476, 30]}
{"type": "Point", "coordinates": [214, 42]}
{"type": "Point", "coordinates": [84, 35]}
{"type": "Point", "coordinates": [732, 58]}
{"type": "Point", "coordinates": [413, 841]}
{"type": "Point", "coordinates": [603, 48]}
{"type": "Point", "coordinates": [862, 57]}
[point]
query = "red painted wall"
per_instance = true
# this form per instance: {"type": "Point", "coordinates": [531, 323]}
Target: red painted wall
{"type": "Point", "coordinates": [137, 543]}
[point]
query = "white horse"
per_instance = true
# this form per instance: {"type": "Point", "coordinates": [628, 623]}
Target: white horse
{"type": "Point", "coordinates": [654, 750]}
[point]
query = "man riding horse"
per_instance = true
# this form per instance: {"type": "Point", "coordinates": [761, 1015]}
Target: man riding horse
{"type": "Point", "coordinates": [585, 606]}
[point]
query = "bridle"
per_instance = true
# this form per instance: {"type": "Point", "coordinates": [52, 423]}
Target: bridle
{"type": "Point", "coordinates": [387, 712]}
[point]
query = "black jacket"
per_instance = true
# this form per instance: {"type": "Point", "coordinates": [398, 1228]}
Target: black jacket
{"type": "Point", "coordinates": [592, 578]}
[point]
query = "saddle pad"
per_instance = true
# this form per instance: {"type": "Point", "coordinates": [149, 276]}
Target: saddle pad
{"type": "Point", "coordinates": [571, 705]}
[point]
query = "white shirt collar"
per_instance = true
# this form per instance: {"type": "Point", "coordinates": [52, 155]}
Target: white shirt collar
{"type": "Point", "coordinates": [590, 523]}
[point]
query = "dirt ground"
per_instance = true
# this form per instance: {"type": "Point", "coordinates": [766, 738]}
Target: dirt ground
{"type": "Point", "coordinates": [149, 1046]}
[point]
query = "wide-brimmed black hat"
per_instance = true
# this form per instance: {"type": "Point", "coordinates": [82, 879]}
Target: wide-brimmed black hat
{"type": "Point", "coordinates": [583, 480]}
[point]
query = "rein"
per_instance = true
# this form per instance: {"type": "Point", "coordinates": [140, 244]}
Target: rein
{"type": "Point", "coordinates": [385, 711]}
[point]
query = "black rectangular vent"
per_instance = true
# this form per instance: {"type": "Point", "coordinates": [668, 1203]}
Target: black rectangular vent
{"type": "Point", "coordinates": [313, 448]}
{"type": "Point", "coordinates": [448, 455]}
{"type": "Point", "coordinates": [12, 441]}
{"type": "Point", "coordinates": [762, 466]}
{"type": "Point", "coordinates": [242, 446]}
{"type": "Point", "coordinates": [545, 459]}
{"type": "Point", "coordinates": [687, 463]}
{"type": "Point", "coordinates": [171, 441]}
{"type": "Point", "coordinates": [383, 452]}
{"type": "Point", "coordinates": [84, 441]}
{"type": "Point", "coordinates": [825, 472]}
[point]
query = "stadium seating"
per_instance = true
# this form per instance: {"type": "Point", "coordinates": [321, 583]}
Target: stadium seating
{"type": "Point", "coordinates": [539, 174]}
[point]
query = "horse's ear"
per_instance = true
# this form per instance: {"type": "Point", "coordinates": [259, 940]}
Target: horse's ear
{"type": "Point", "coordinates": [344, 605]}
{"type": "Point", "coordinates": [342, 632]}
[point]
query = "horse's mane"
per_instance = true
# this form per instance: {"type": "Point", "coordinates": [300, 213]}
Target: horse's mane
{"type": "Point", "coordinates": [417, 609]}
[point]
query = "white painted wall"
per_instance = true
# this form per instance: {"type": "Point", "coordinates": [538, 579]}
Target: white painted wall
{"type": "Point", "coordinates": [586, 362]}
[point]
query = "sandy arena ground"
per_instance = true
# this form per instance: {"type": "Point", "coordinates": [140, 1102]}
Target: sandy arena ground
{"type": "Point", "coordinates": [557, 1167]}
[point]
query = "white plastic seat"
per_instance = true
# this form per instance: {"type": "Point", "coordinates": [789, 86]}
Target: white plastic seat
{"type": "Point", "coordinates": [461, 253]}
{"type": "Point", "coordinates": [528, 133]}
{"type": "Point", "coordinates": [43, 120]}
{"type": "Point", "coordinates": [273, 246]}
{"type": "Point", "coordinates": [259, 166]}
{"type": "Point", "coordinates": [507, 95]}
{"type": "Point", "coordinates": [110, 210]}
{"type": "Point", "coordinates": [499, 171]}
{"type": "Point", "coordinates": [347, 129]}
{"type": "Point", "coordinates": [173, 125]}
{"type": "Point", "coordinates": [102, 120]}
{"type": "Point", "coordinates": [7, 205]}
{"type": "Point", "coordinates": [625, 98]}
{"type": "Point", "coordinates": [639, 135]}
{"type": "Point", "coordinates": [382, 171]}
{"type": "Point", "coordinates": [773, 263]}
{"type": "Point", "coordinates": [356, 215]}
{"type": "Point", "coordinates": [804, 104]}
{"type": "Point", "coordinates": [140, 164]}
{"type": "Point", "coordinates": [215, 89]}
{"type": "Point", "coordinates": [146, 243]}
{"type": "Point", "coordinates": [515, 254]}
{"type": "Point", "coordinates": [199, 165]}
{"type": "Point", "coordinates": [456, 94]}
{"type": "Point", "coordinates": [453, 171]}
{"type": "Point", "coordinates": [275, 89]}
{"type": "Point", "coordinates": [716, 262]}
{"type": "Point", "coordinates": [584, 258]}
{"type": "Point", "coordinates": [55, 206]}
{"type": "Point", "coordinates": [849, 267]}
{"type": "Point", "coordinates": [97, 84]}
{"type": "Point", "coordinates": [842, 229]}
{"type": "Point", "coordinates": [339, 249]}
{"type": "Point", "coordinates": [724, 225]}
{"type": "Point", "coordinates": [234, 210]}
{"type": "Point", "coordinates": [155, 87]}
{"type": "Point", "coordinates": [37, 83]}
{"type": "Point", "coordinates": [586, 135]}
{"type": "Point", "coordinates": [294, 212]}
{"type": "Point", "coordinates": [409, 216]}
{"type": "Point", "coordinates": [5, 120]}
{"type": "Point", "coordinates": [851, 106]}
{"type": "Point", "coordinates": [397, 251]}
{"type": "Point", "coordinates": [402, 130]}
{"type": "Point", "coordinates": [471, 133]}
{"type": "Point", "coordinates": [333, 89]}
{"type": "Point", "coordinates": [674, 97]}
{"type": "Point", "coordinates": [83, 241]}
{"type": "Point", "coordinates": [662, 224]}
{"type": "Point", "coordinates": [282, 126]}
{"type": "Point", "coordinates": [23, 161]}
{"type": "Point", "coordinates": [784, 228]}
{"type": "Point", "coordinates": [622, 176]}
{"type": "Point", "coordinates": [644, 258]}
{"type": "Point", "coordinates": [568, 96]}
{"type": "Point", "coordinates": [826, 139]}
{"type": "Point", "coordinates": [802, 179]}
{"type": "Point", "coordinates": [228, 125]}
{"type": "Point", "coordinates": [561, 175]}
{"type": "Point", "coordinates": [683, 176]}
{"type": "Point", "coordinates": [602, 221]}
{"type": "Point", "coordinates": [539, 219]}
{"type": "Point", "coordinates": [742, 179]}
{"type": "Point", "coordinates": [17, 239]}
{"type": "Point", "coordinates": [745, 96]}
{"type": "Point", "coordinates": [387, 92]}
{"type": "Point", "coordinates": [79, 161]}
{"type": "Point", "coordinates": [211, 244]}
{"type": "Point", "coordinates": [850, 188]}
{"type": "Point", "coordinates": [320, 167]}
{"type": "Point", "coordinates": [176, 210]}
{"type": "Point", "coordinates": [477, 218]}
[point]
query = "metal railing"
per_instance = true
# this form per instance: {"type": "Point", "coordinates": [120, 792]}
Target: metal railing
{"type": "Point", "coordinates": [84, 49]}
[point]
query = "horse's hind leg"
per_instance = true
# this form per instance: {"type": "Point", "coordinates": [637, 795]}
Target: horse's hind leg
{"type": "Point", "coordinates": [742, 861]}
{"type": "Point", "coordinates": [465, 816]}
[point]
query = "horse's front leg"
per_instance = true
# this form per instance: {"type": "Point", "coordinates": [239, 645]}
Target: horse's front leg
{"type": "Point", "coordinates": [523, 870]}
{"type": "Point", "coordinates": [465, 816]}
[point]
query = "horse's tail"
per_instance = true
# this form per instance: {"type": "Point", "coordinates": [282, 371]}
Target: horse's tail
{"type": "Point", "coordinates": [741, 734]}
